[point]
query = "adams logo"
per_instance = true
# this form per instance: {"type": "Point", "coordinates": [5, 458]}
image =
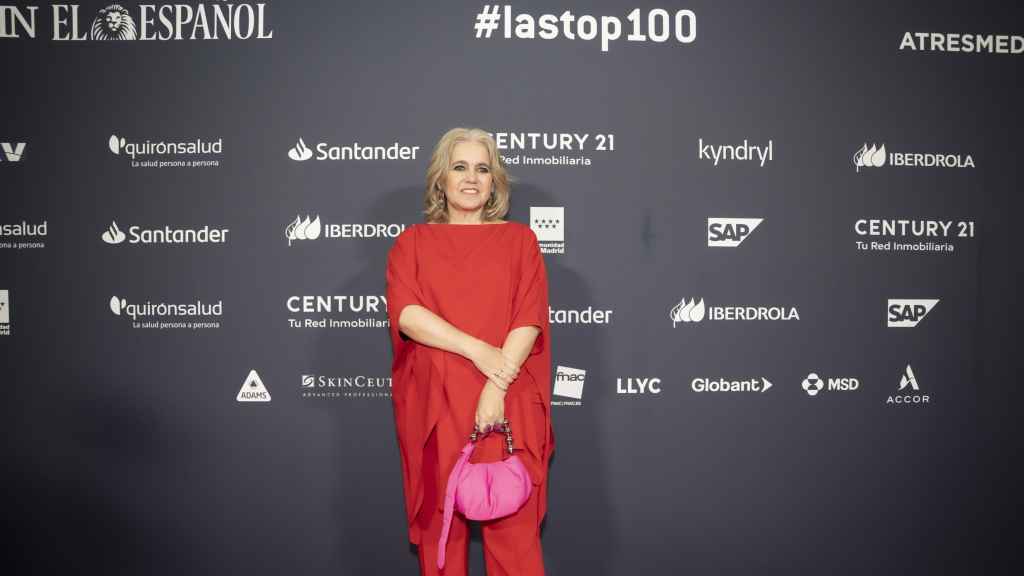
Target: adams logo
{"type": "Point", "coordinates": [253, 390]}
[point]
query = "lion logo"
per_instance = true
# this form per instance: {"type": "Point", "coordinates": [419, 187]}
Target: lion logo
{"type": "Point", "coordinates": [113, 23]}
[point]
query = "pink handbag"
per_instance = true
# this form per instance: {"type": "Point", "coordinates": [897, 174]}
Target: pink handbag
{"type": "Point", "coordinates": [485, 490]}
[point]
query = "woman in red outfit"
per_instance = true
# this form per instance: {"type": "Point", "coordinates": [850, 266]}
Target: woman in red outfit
{"type": "Point", "coordinates": [468, 305]}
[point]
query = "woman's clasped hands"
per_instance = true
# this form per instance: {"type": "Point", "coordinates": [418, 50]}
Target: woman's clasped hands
{"type": "Point", "coordinates": [501, 371]}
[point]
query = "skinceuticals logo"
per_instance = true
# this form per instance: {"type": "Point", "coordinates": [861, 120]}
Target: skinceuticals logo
{"type": "Point", "coordinates": [253, 389]}
{"type": "Point", "coordinates": [548, 223]}
{"type": "Point", "coordinates": [13, 151]}
{"type": "Point", "coordinates": [319, 386]}
{"type": "Point", "coordinates": [903, 313]}
{"type": "Point", "coordinates": [300, 152]}
{"type": "Point", "coordinates": [161, 22]}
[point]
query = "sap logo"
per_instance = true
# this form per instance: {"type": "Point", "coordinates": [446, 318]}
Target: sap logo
{"type": "Point", "coordinates": [638, 385]}
{"type": "Point", "coordinates": [730, 232]}
{"type": "Point", "coordinates": [908, 313]}
{"type": "Point", "coordinates": [12, 152]}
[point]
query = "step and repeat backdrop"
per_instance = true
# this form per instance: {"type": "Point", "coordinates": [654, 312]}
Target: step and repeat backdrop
{"type": "Point", "coordinates": [779, 239]}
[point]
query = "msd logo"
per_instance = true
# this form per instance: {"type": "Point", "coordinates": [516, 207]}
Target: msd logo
{"type": "Point", "coordinates": [730, 232]}
{"type": "Point", "coordinates": [903, 313]}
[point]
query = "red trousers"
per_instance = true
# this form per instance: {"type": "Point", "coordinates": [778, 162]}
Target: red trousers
{"type": "Point", "coordinates": [511, 544]}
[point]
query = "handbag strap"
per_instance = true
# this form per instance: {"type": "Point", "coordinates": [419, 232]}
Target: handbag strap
{"type": "Point", "coordinates": [449, 501]}
{"type": "Point", "coordinates": [503, 426]}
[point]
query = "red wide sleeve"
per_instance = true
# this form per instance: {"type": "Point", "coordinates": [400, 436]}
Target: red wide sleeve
{"type": "Point", "coordinates": [530, 303]}
{"type": "Point", "coordinates": [402, 288]}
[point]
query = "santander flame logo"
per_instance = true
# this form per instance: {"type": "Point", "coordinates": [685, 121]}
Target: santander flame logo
{"type": "Point", "coordinates": [303, 229]}
{"type": "Point", "coordinates": [873, 157]}
{"type": "Point", "coordinates": [300, 152]}
{"type": "Point", "coordinates": [113, 234]}
{"type": "Point", "coordinates": [692, 311]}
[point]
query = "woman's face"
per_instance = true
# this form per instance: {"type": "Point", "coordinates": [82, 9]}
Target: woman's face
{"type": "Point", "coordinates": [468, 184]}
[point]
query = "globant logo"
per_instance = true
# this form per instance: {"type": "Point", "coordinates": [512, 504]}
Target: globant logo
{"type": "Point", "coordinates": [813, 384]}
{"type": "Point", "coordinates": [730, 232]}
{"type": "Point", "coordinates": [355, 151]}
{"type": "Point", "coordinates": [162, 154]}
{"type": "Point", "coordinates": [196, 315]}
{"type": "Point", "coordinates": [760, 385]}
{"type": "Point", "coordinates": [877, 157]}
{"type": "Point", "coordinates": [167, 235]}
{"type": "Point", "coordinates": [548, 224]}
{"type": "Point", "coordinates": [569, 384]}
{"type": "Point", "coordinates": [23, 235]}
{"type": "Point", "coordinates": [12, 151]}
{"type": "Point", "coordinates": [694, 311]}
{"type": "Point", "coordinates": [314, 386]}
{"type": "Point", "coordinates": [160, 22]}
{"type": "Point", "coordinates": [302, 229]}
{"type": "Point", "coordinates": [904, 313]}
{"type": "Point", "coordinates": [253, 389]}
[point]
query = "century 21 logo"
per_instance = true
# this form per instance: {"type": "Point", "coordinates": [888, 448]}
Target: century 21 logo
{"type": "Point", "coordinates": [905, 313]}
{"type": "Point", "coordinates": [730, 232]}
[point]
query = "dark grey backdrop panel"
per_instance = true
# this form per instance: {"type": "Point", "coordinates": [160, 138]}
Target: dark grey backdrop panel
{"type": "Point", "coordinates": [128, 451]}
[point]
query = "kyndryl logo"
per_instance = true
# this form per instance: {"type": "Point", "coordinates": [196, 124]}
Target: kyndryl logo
{"type": "Point", "coordinates": [300, 152]}
{"type": "Point", "coordinates": [730, 232]}
{"type": "Point", "coordinates": [548, 223]}
{"type": "Point", "coordinates": [904, 313]}
{"type": "Point", "coordinates": [113, 234]}
{"type": "Point", "coordinates": [162, 22]}
{"type": "Point", "coordinates": [253, 389]}
{"type": "Point", "coordinates": [726, 385]}
{"type": "Point", "coordinates": [813, 384]}
{"type": "Point", "coordinates": [361, 386]}
{"type": "Point", "coordinates": [12, 150]}
{"type": "Point", "coordinates": [694, 311]}
{"type": "Point", "coordinates": [569, 384]}
{"type": "Point", "coordinates": [876, 156]}
{"type": "Point", "coordinates": [745, 152]}
{"type": "Point", "coordinates": [5, 313]}
{"type": "Point", "coordinates": [906, 397]}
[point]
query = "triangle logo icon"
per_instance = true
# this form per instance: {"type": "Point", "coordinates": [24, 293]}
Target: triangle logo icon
{"type": "Point", "coordinates": [253, 389]}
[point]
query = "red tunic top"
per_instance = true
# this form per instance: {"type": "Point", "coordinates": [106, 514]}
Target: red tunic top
{"type": "Point", "coordinates": [486, 280]}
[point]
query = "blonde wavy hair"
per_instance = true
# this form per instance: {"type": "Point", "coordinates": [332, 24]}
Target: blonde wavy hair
{"type": "Point", "coordinates": [434, 201]}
